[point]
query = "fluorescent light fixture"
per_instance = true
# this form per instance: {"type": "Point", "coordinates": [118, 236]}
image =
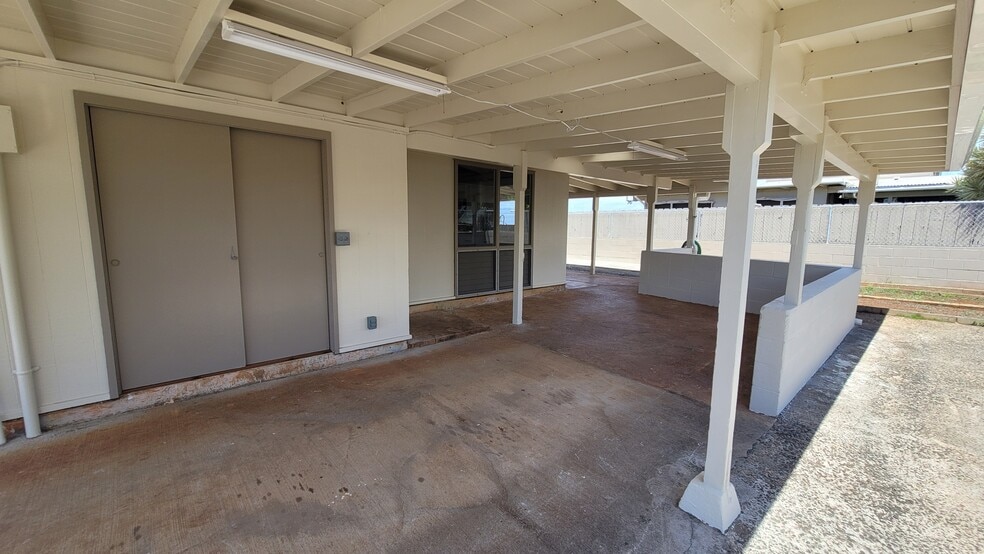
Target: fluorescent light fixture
{"type": "Point", "coordinates": [337, 61]}
{"type": "Point", "coordinates": [656, 149]}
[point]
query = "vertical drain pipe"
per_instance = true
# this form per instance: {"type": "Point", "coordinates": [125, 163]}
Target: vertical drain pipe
{"type": "Point", "coordinates": [15, 317]}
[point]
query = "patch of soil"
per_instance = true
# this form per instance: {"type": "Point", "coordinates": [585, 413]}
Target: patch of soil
{"type": "Point", "coordinates": [977, 313]}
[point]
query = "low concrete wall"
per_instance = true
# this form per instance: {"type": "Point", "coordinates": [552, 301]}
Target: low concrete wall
{"type": "Point", "coordinates": [793, 342]}
{"type": "Point", "coordinates": [679, 275]}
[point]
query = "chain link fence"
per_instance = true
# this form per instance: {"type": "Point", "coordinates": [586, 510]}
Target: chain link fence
{"type": "Point", "coordinates": [944, 224]}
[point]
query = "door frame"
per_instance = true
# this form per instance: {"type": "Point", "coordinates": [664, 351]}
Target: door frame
{"type": "Point", "coordinates": [86, 100]}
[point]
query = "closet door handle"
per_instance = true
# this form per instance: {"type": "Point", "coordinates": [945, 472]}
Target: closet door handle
{"type": "Point", "coordinates": [232, 254]}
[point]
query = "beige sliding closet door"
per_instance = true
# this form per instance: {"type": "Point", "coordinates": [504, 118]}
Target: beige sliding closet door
{"type": "Point", "coordinates": [169, 222]}
{"type": "Point", "coordinates": [281, 224]}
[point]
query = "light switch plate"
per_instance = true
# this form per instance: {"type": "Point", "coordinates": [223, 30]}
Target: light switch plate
{"type": "Point", "coordinates": [343, 238]}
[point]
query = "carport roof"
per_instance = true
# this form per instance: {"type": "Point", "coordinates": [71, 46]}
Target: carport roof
{"type": "Point", "coordinates": [569, 81]}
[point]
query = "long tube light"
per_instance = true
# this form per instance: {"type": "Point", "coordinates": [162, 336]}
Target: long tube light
{"type": "Point", "coordinates": [289, 48]}
{"type": "Point", "coordinates": [656, 149]}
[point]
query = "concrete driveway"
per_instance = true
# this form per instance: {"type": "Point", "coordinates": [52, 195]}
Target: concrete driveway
{"type": "Point", "coordinates": [496, 442]}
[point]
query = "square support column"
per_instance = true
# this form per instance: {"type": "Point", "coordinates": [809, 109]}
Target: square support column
{"type": "Point", "coordinates": [651, 193]}
{"type": "Point", "coordinates": [747, 133]}
{"type": "Point", "coordinates": [594, 233]}
{"type": "Point", "coordinates": [807, 172]}
{"type": "Point", "coordinates": [866, 197]}
{"type": "Point", "coordinates": [519, 237]}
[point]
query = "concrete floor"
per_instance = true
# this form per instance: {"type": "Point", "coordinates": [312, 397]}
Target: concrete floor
{"type": "Point", "coordinates": [520, 439]}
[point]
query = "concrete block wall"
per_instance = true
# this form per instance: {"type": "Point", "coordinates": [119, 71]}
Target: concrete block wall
{"type": "Point", "coordinates": [794, 341]}
{"type": "Point", "coordinates": [680, 275]}
{"type": "Point", "coordinates": [920, 265]}
{"type": "Point", "coordinates": [934, 266]}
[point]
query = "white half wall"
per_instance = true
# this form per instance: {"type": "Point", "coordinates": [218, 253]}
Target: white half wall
{"type": "Point", "coordinates": [430, 182]}
{"type": "Point", "coordinates": [794, 341]}
{"type": "Point", "coordinates": [678, 274]}
{"type": "Point", "coordinates": [55, 252]}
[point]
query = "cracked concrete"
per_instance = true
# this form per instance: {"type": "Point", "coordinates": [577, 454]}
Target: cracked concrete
{"type": "Point", "coordinates": [517, 439]}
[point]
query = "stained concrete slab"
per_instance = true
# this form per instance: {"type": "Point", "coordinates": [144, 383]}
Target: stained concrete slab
{"type": "Point", "coordinates": [495, 442]}
{"type": "Point", "coordinates": [471, 445]}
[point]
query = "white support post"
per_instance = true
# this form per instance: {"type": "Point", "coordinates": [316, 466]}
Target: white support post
{"type": "Point", "coordinates": [651, 193]}
{"type": "Point", "coordinates": [16, 324]}
{"type": "Point", "coordinates": [866, 197]}
{"type": "Point", "coordinates": [807, 172]}
{"type": "Point", "coordinates": [710, 496]}
{"type": "Point", "coordinates": [594, 234]}
{"type": "Point", "coordinates": [519, 238]}
{"type": "Point", "coordinates": [692, 219]}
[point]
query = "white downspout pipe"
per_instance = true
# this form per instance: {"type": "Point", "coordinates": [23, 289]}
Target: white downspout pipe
{"type": "Point", "coordinates": [15, 317]}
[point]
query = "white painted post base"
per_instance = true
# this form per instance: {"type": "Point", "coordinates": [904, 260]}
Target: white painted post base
{"type": "Point", "coordinates": [717, 508]}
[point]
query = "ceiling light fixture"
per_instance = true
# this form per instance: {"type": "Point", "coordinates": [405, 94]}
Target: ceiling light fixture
{"type": "Point", "coordinates": [337, 61]}
{"type": "Point", "coordinates": [656, 149]}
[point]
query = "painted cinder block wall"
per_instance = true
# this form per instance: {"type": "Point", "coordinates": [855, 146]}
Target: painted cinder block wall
{"type": "Point", "coordinates": [54, 250]}
{"type": "Point", "coordinates": [432, 227]}
{"type": "Point", "coordinates": [680, 275]}
{"type": "Point", "coordinates": [794, 341]}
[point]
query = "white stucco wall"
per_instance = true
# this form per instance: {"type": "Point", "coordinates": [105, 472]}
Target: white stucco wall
{"type": "Point", "coordinates": [54, 250]}
{"type": "Point", "coordinates": [793, 342]}
{"type": "Point", "coordinates": [550, 228]}
{"type": "Point", "coordinates": [430, 182]}
{"type": "Point", "coordinates": [679, 275]}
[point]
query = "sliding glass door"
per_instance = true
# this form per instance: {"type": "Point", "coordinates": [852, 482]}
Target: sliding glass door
{"type": "Point", "coordinates": [485, 217]}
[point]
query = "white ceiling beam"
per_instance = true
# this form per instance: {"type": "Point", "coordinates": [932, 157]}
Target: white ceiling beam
{"type": "Point", "coordinates": [894, 51]}
{"type": "Point", "coordinates": [672, 92]}
{"type": "Point", "coordinates": [639, 63]}
{"type": "Point", "coordinates": [887, 105]}
{"type": "Point", "coordinates": [888, 160]}
{"type": "Point", "coordinates": [845, 157]}
{"type": "Point", "coordinates": [917, 144]}
{"type": "Point", "coordinates": [579, 184]}
{"type": "Point", "coordinates": [610, 159]}
{"type": "Point", "coordinates": [296, 79]}
{"type": "Point", "coordinates": [594, 22]}
{"type": "Point", "coordinates": [579, 152]}
{"type": "Point", "coordinates": [388, 22]}
{"type": "Point", "coordinates": [896, 135]}
{"type": "Point", "coordinates": [593, 182]}
{"type": "Point", "coordinates": [700, 26]}
{"type": "Point", "coordinates": [904, 170]}
{"type": "Point", "coordinates": [697, 144]}
{"type": "Point", "coordinates": [891, 122]}
{"type": "Point", "coordinates": [392, 20]}
{"type": "Point", "coordinates": [817, 19]}
{"type": "Point", "coordinates": [657, 132]}
{"type": "Point", "coordinates": [728, 37]}
{"type": "Point", "coordinates": [967, 87]}
{"type": "Point", "coordinates": [37, 22]}
{"type": "Point", "coordinates": [647, 117]}
{"type": "Point", "coordinates": [203, 23]}
{"type": "Point", "coordinates": [928, 76]}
